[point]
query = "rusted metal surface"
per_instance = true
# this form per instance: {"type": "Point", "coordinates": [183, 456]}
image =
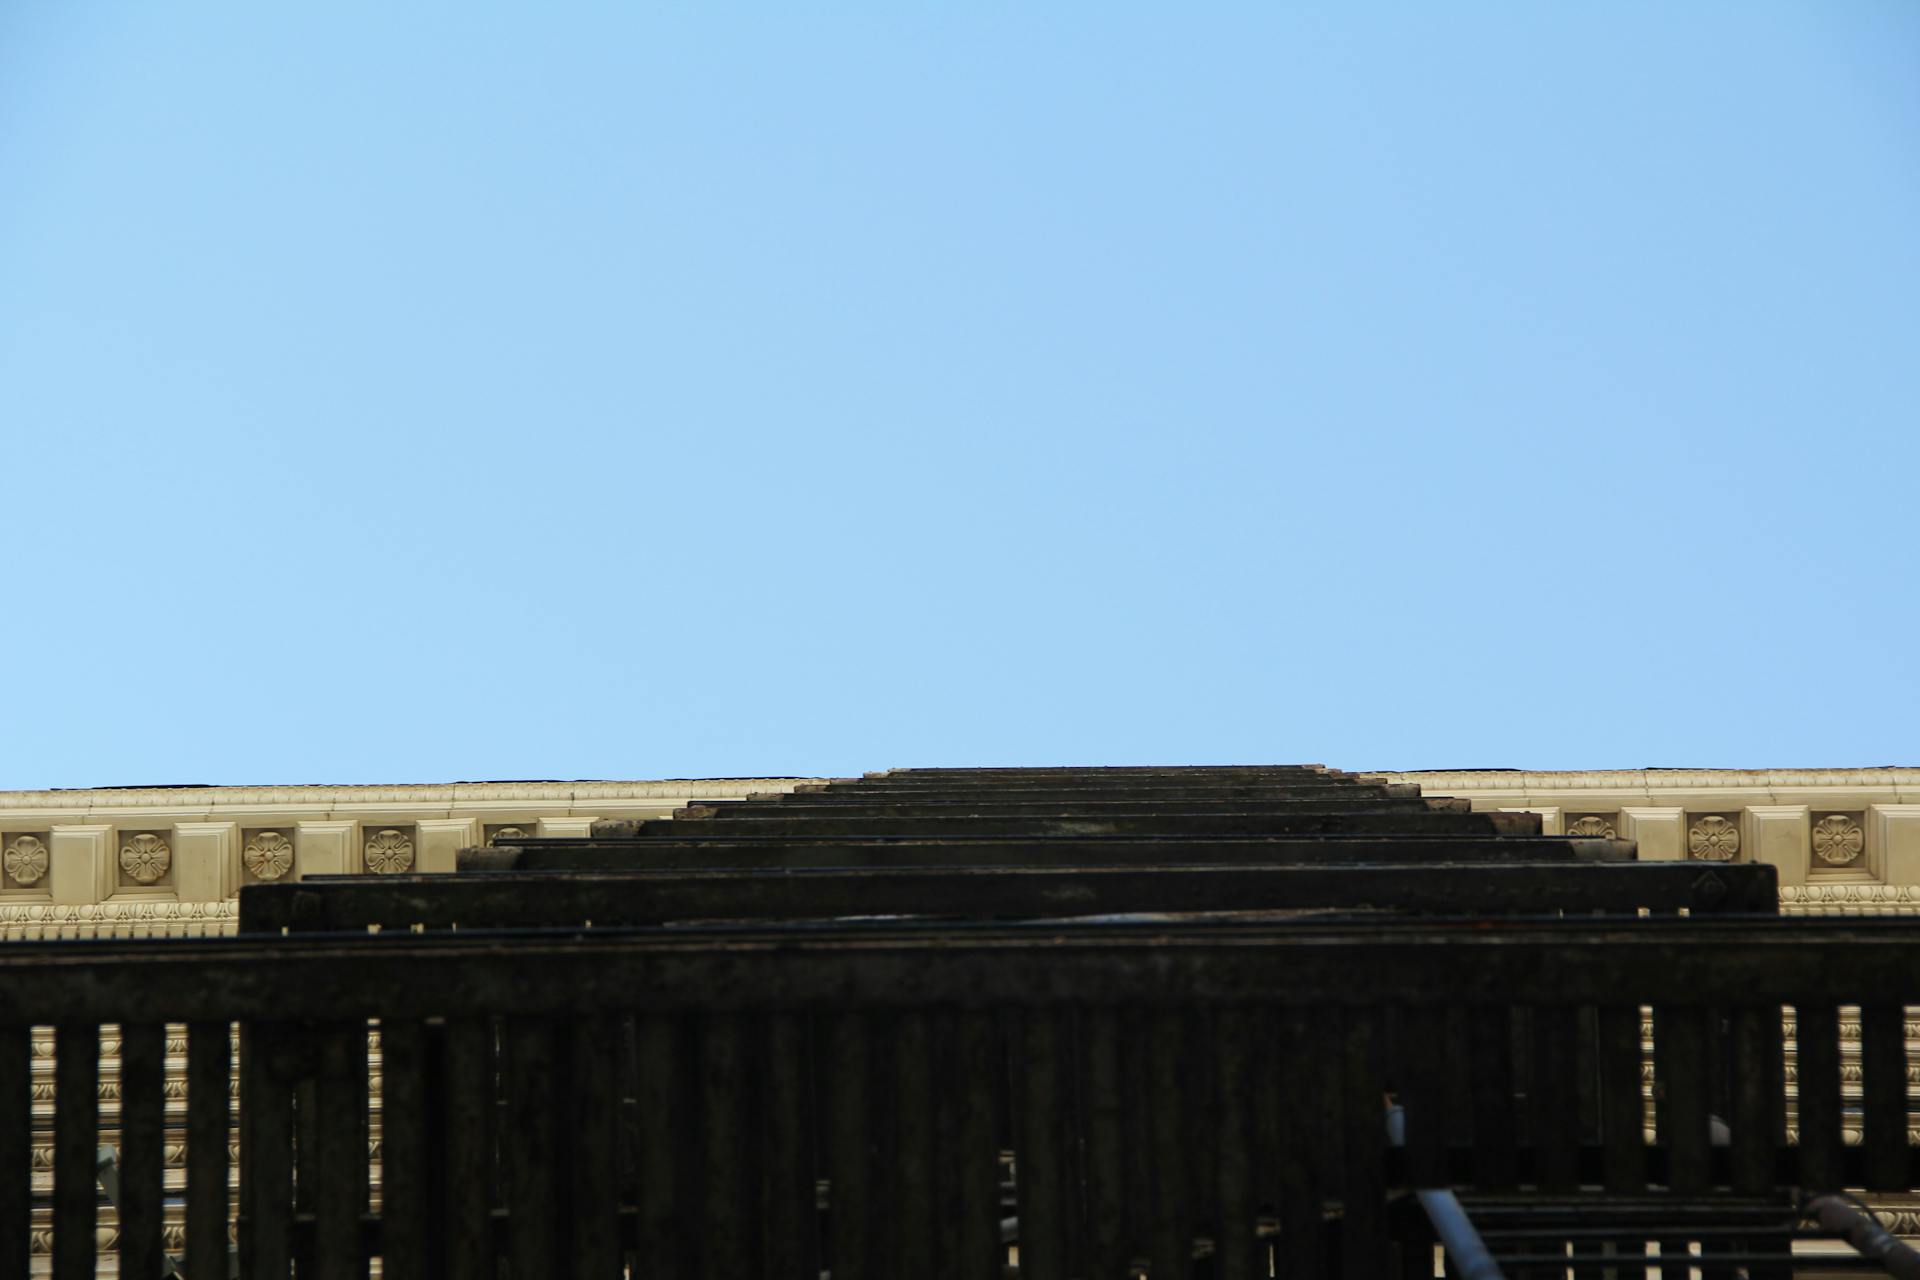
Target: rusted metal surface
{"type": "Point", "coordinates": [795, 1091]}
{"type": "Point", "coordinates": [798, 851]}
{"type": "Point", "coordinates": [640, 896]}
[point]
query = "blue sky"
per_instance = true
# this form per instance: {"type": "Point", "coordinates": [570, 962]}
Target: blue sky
{"type": "Point", "coordinates": [411, 393]}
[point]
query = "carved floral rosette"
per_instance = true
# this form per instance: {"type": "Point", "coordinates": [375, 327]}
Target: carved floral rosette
{"type": "Point", "coordinates": [389, 852]}
{"type": "Point", "coordinates": [1838, 839]}
{"type": "Point", "coordinates": [145, 858]}
{"type": "Point", "coordinates": [26, 860]}
{"type": "Point", "coordinates": [1714, 839]}
{"type": "Point", "coordinates": [506, 835]}
{"type": "Point", "coordinates": [1591, 825]}
{"type": "Point", "coordinates": [268, 855]}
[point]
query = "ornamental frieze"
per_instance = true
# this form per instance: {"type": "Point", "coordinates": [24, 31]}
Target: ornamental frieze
{"type": "Point", "coordinates": [145, 857]}
{"type": "Point", "coordinates": [1714, 837]}
{"type": "Point", "coordinates": [1838, 840]}
{"type": "Point", "coordinates": [26, 860]}
{"type": "Point", "coordinates": [268, 855]}
{"type": "Point", "coordinates": [389, 852]}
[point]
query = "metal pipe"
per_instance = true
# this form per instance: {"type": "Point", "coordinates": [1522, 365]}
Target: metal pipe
{"type": "Point", "coordinates": [1470, 1255]}
{"type": "Point", "coordinates": [1861, 1230]}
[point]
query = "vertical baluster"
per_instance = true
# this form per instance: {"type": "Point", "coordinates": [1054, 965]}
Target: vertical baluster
{"type": "Point", "coordinates": [1268, 1126]}
{"type": "Point", "coordinates": [306, 1145]}
{"type": "Point", "coordinates": [467, 1177]}
{"type": "Point", "coordinates": [1757, 1105]}
{"type": "Point", "coordinates": [1295, 1075]}
{"type": "Point", "coordinates": [1423, 1073]}
{"type": "Point", "coordinates": [143, 1065]}
{"type": "Point", "coordinates": [76, 1132]}
{"type": "Point", "coordinates": [851, 1153]}
{"type": "Point", "coordinates": [913, 1143]}
{"type": "Point", "coordinates": [1819, 1069]}
{"type": "Point", "coordinates": [1681, 1033]}
{"type": "Point", "coordinates": [1039, 1076]}
{"type": "Point", "coordinates": [1555, 1098]}
{"type": "Point", "coordinates": [1622, 1101]}
{"type": "Point", "coordinates": [1172, 1241]}
{"type": "Point", "coordinates": [1233, 1153]}
{"type": "Point", "coordinates": [266, 1163]}
{"type": "Point", "coordinates": [982, 1255]}
{"type": "Point", "coordinates": [209, 1133]}
{"type": "Point", "coordinates": [594, 1185]}
{"type": "Point", "coordinates": [16, 1148]}
{"type": "Point", "coordinates": [1200, 1123]}
{"type": "Point", "coordinates": [406, 1215]}
{"type": "Point", "coordinates": [792, 1221]}
{"type": "Point", "coordinates": [1494, 1147]}
{"type": "Point", "coordinates": [533, 1229]}
{"type": "Point", "coordinates": [340, 1160]}
{"type": "Point", "coordinates": [1363, 1235]}
{"type": "Point", "coordinates": [1136, 1142]}
{"type": "Point", "coordinates": [1883, 1063]}
{"type": "Point", "coordinates": [1106, 1213]}
{"type": "Point", "coordinates": [663, 1094]}
{"type": "Point", "coordinates": [731, 1230]}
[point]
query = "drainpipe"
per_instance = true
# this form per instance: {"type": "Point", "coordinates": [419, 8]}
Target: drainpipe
{"type": "Point", "coordinates": [1458, 1237]}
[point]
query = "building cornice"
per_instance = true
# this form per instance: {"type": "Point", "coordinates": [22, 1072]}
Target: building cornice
{"type": "Point", "coordinates": [1850, 899]}
{"type": "Point", "coordinates": [1652, 782]}
{"type": "Point", "coordinates": [31, 921]}
{"type": "Point", "coordinates": [415, 797]}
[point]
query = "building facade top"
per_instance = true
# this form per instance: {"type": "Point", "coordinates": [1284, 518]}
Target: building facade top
{"type": "Point", "coordinates": [443, 796]}
{"type": "Point", "coordinates": [1894, 783]}
{"type": "Point", "coordinates": [140, 861]}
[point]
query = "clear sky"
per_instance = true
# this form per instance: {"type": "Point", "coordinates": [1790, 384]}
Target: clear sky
{"type": "Point", "coordinates": [424, 392]}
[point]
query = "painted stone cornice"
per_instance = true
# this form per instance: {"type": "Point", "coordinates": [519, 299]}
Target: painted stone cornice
{"type": "Point", "coordinates": [413, 796]}
{"type": "Point", "coordinates": [1758, 784]}
{"type": "Point", "coordinates": [1850, 899]}
{"type": "Point", "coordinates": [29, 921]}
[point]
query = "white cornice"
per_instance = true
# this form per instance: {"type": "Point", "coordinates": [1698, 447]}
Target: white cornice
{"type": "Point", "coordinates": [415, 797]}
{"type": "Point", "coordinates": [1850, 899]}
{"type": "Point", "coordinates": [1756, 783]}
{"type": "Point", "coordinates": [27, 921]}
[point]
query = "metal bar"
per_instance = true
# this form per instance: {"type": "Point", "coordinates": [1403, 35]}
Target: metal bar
{"type": "Point", "coordinates": [533, 1218]}
{"type": "Point", "coordinates": [1866, 1235]}
{"type": "Point", "coordinates": [266, 1163]}
{"type": "Point", "coordinates": [76, 1127]}
{"type": "Point", "coordinates": [16, 1149]}
{"type": "Point", "coordinates": [1233, 1159]}
{"type": "Point", "coordinates": [850, 1154]}
{"type": "Point", "coordinates": [913, 1175]}
{"type": "Point", "coordinates": [1755, 1036]}
{"type": "Point", "coordinates": [792, 1220]}
{"type": "Point", "coordinates": [406, 1211]}
{"type": "Point", "coordinates": [1106, 1156]}
{"type": "Point", "coordinates": [731, 1225]}
{"type": "Point", "coordinates": [340, 1160]}
{"type": "Point", "coordinates": [1623, 1108]}
{"type": "Point", "coordinates": [143, 1062]}
{"type": "Point", "coordinates": [1363, 1234]}
{"type": "Point", "coordinates": [1883, 1063]}
{"type": "Point", "coordinates": [467, 1187]}
{"type": "Point", "coordinates": [1467, 1252]}
{"type": "Point", "coordinates": [1495, 1142]}
{"type": "Point", "coordinates": [1554, 1097]}
{"type": "Point", "coordinates": [1684, 1122]}
{"type": "Point", "coordinates": [1040, 1077]}
{"type": "Point", "coordinates": [982, 1255]}
{"type": "Point", "coordinates": [1172, 1233]}
{"type": "Point", "coordinates": [1818, 1042]}
{"type": "Point", "coordinates": [209, 1130]}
